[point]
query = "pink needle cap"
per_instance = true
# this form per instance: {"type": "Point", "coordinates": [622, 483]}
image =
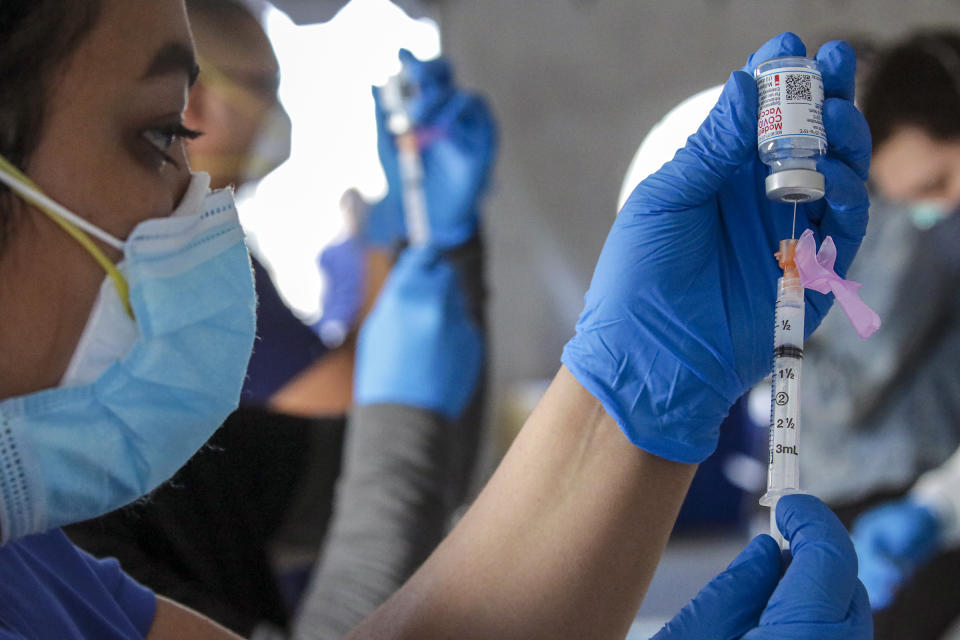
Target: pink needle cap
{"type": "Point", "coordinates": [816, 272]}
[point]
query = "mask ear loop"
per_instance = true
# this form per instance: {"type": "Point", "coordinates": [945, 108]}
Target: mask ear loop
{"type": "Point", "coordinates": [77, 227]}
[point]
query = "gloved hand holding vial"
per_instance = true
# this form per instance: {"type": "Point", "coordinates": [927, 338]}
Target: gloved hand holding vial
{"type": "Point", "coordinates": [691, 257]}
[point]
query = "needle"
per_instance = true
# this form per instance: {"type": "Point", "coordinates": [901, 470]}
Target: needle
{"type": "Point", "coordinates": [793, 229]}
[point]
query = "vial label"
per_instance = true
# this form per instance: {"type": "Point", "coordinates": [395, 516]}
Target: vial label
{"type": "Point", "coordinates": [791, 104]}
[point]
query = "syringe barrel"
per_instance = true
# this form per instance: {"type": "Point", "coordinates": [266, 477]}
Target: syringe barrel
{"type": "Point", "coordinates": [783, 473]}
{"type": "Point", "coordinates": [414, 198]}
{"type": "Point", "coordinates": [395, 96]}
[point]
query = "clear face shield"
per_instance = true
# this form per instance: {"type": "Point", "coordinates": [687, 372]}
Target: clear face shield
{"type": "Point", "coordinates": [253, 96]}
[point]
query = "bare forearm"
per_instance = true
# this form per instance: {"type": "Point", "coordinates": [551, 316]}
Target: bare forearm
{"type": "Point", "coordinates": [175, 621]}
{"type": "Point", "coordinates": [562, 542]}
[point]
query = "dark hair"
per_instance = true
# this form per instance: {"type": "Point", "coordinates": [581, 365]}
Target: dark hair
{"type": "Point", "coordinates": [915, 82]}
{"type": "Point", "coordinates": [36, 36]}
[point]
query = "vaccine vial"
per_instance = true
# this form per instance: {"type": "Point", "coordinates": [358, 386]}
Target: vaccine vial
{"type": "Point", "coordinates": [790, 133]}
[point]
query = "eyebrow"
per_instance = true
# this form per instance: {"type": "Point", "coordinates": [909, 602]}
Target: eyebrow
{"type": "Point", "coordinates": [173, 57]}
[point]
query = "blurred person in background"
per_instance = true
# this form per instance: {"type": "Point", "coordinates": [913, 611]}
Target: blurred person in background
{"type": "Point", "coordinates": [878, 413]}
{"type": "Point", "coordinates": [899, 393]}
{"type": "Point", "coordinates": [270, 472]}
{"type": "Point", "coordinates": [247, 134]}
{"type": "Point", "coordinates": [882, 411]}
{"type": "Point", "coordinates": [343, 265]}
{"type": "Point", "coordinates": [414, 433]}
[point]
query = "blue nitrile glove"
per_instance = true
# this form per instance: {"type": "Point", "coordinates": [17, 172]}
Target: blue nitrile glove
{"type": "Point", "coordinates": [892, 541]}
{"type": "Point", "coordinates": [678, 321]}
{"type": "Point", "coordinates": [419, 346]}
{"type": "Point", "coordinates": [818, 597]}
{"type": "Point", "coordinates": [344, 268]}
{"type": "Point", "coordinates": [458, 139]}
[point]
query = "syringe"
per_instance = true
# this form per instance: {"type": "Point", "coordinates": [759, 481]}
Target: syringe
{"type": "Point", "coordinates": [396, 96]}
{"type": "Point", "coordinates": [783, 473]}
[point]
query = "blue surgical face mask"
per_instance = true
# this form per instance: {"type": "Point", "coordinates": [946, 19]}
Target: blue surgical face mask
{"type": "Point", "coordinates": [926, 214]}
{"type": "Point", "coordinates": [158, 368]}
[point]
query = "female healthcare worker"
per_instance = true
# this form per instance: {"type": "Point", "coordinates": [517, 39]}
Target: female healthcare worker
{"type": "Point", "coordinates": [566, 536]}
{"type": "Point", "coordinates": [271, 470]}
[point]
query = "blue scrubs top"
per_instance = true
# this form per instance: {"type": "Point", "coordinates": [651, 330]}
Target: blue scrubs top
{"type": "Point", "coordinates": [51, 589]}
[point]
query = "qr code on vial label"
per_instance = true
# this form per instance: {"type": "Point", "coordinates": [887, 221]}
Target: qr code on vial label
{"type": "Point", "coordinates": [798, 87]}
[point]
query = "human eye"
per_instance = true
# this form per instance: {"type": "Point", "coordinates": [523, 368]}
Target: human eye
{"type": "Point", "coordinates": [161, 138]}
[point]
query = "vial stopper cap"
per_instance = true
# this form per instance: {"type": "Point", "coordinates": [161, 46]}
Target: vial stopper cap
{"type": "Point", "coordinates": [795, 185]}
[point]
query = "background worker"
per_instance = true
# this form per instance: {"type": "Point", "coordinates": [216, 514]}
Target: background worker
{"type": "Point", "coordinates": [907, 527]}
{"type": "Point", "coordinates": [272, 470]}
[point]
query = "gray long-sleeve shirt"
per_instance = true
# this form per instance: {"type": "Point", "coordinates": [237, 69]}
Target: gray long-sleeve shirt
{"type": "Point", "coordinates": [878, 412]}
{"type": "Point", "coordinates": [405, 471]}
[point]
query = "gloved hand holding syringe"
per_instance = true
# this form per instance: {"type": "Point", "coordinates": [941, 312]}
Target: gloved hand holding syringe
{"type": "Point", "coordinates": [436, 144]}
{"type": "Point", "coordinates": [791, 138]}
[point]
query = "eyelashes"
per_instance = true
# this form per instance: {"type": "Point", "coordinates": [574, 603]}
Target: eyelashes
{"type": "Point", "coordinates": [162, 138]}
{"type": "Point", "coordinates": [181, 131]}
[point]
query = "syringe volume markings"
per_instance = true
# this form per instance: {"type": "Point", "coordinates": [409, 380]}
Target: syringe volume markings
{"type": "Point", "coordinates": [787, 449]}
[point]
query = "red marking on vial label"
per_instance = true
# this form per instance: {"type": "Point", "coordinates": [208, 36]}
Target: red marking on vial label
{"type": "Point", "coordinates": [770, 121]}
{"type": "Point", "coordinates": [772, 114]}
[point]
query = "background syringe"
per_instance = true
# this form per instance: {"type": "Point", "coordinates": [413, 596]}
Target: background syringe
{"type": "Point", "coordinates": [396, 96]}
{"type": "Point", "coordinates": [783, 472]}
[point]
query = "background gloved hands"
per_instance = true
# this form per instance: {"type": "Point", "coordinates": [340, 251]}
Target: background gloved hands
{"type": "Point", "coordinates": [678, 321]}
{"type": "Point", "coordinates": [892, 541]}
{"type": "Point", "coordinates": [818, 596]}
{"type": "Point", "coordinates": [419, 346]}
{"type": "Point", "coordinates": [344, 266]}
{"type": "Point", "coordinates": [458, 143]}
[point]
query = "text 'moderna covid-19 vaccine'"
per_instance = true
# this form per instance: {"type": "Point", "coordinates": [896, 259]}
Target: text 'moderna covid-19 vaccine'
{"type": "Point", "coordinates": [790, 133]}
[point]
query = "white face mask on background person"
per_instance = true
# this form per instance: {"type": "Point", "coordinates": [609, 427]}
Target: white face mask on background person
{"type": "Point", "coordinates": [927, 214]}
{"type": "Point", "coordinates": [159, 366]}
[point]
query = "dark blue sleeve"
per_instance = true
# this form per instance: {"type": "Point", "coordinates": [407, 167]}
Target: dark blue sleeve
{"type": "Point", "coordinates": [284, 346]}
{"type": "Point", "coordinates": [51, 589]}
{"type": "Point", "coordinates": [138, 602]}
